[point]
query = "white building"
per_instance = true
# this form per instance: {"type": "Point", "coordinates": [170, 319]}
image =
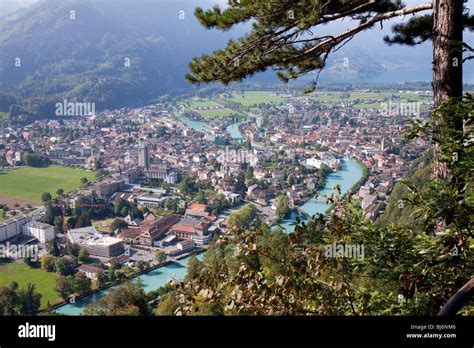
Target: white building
{"type": "Point", "coordinates": [91, 272]}
{"type": "Point", "coordinates": [317, 163]}
{"type": "Point", "coordinates": [41, 231]}
{"type": "Point", "coordinates": [172, 178]}
{"type": "Point", "coordinates": [13, 227]}
{"type": "Point", "coordinates": [152, 200]}
{"type": "Point", "coordinates": [185, 245]}
{"type": "Point", "coordinates": [233, 198]}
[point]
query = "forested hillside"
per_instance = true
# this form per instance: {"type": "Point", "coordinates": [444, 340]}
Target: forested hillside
{"type": "Point", "coordinates": [397, 212]}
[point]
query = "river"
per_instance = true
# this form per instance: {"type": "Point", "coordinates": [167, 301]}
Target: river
{"type": "Point", "coordinates": [232, 129]}
{"type": "Point", "coordinates": [150, 281]}
{"type": "Point", "coordinates": [350, 172]}
{"type": "Point", "coordinates": [346, 177]}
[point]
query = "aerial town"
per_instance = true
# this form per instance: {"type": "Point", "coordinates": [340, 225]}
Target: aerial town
{"type": "Point", "coordinates": [166, 177]}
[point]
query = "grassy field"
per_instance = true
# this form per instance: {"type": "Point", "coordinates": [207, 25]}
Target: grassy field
{"type": "Point", "coordinates": [22, 274]}
{"type": "Point", "coordinates": [1, 215]}
{"type": "Point", "coordinates": [372, 100]}
{"type": "Point", "coordinates": [3, 115]}
{"type": "Point", "coordinates": [202, 104]}
{"type": "Point", "coordinates": [251, 98]}
{"type": "Point", "coordinates": [26, 184]}
{"type": "Point", "coordinates": [335, 97]}
{"type": "Point", "coordinates": [216, 113]}
{"type": "Point", "coordinates": [221, 112]}
{"type": "Point", "coordinates": [103, 226]}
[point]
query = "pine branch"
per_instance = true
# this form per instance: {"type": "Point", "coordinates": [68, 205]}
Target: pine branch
{"type": "Point", "coordinates": [277, 43]}
{"type": "Point", "coordinates": [331, 43]}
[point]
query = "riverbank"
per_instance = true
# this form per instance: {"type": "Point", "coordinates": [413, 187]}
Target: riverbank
{"type": "Point", "coordinates": [234, 129]}
{"type": "Point", "coordinates": [349, 176]}
{"type": "Point", "coordinates": [357, 185]}
{"type": "Point", "coordinates": [151, 279]}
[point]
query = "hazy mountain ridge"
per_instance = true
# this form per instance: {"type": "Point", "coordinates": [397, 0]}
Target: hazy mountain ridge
{"type": "Point", "coordinates": [84, 58]}
{"type": "Point", "coordinates": [95, 57]}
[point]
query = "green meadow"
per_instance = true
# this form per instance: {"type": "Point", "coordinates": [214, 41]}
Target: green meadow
{"type": "Point", "coordinates": [202, 104]}
{"type": "Point", "coordinates": [28, 183]}
{"type": "Point", "coordinates": [23, 274]}
{"type": "Point", "coordinates": [216, 113]}
{"type": "Point", "coordinates": [251, 98]}
{"type": "Point", "coordinates": [370, 100]}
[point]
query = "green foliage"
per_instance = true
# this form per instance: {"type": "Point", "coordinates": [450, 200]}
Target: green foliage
{"type": "Point", "coordinates": [101, 279]}
{"type": "Point", "coordinates": [35, 160]}
{"type": "Point", "coordinates": [82, 284]}
{"type": "Point", "coordinates": [29, 300]}
{"type": "Point", "coordinates": [65, 287]}
{"type": "Point", "coordinates": [46, 197]}
{"type": "Point", "coordinates": [128, 299]}
{"type": "Point", "coordinates": [244, 218]}
{"type": "Point", "coordinates": [8, 301]}
{"type": "Point", "coordinates": [167, 305]}
{"type": "Point", "coordinates": [282, 206]}
{"type": "Point", "coordinates": [123, 208]}
{"type": "Point", "coordinates": [420, 29]}
{"type": "Point", "coordinates": [117, 224]}
{"type": "Point", "coordinates": [64, 266]}
{"type": "Point", "coordinates": [186, 186]}
{"type": "Point", "coordinates": [284, 36]}
{"type": "Point", "coordinates": [52, 248]}
{"type": "Point", "coordinates": [160, 256]}
{"type": "Point", "coordinates": [399, 269]}
{"type": "Point", "coordinates": [83, 255]}
{"type": "Point", "coordinates": [397, 210]}
{"type": "Point", "coordinates": [194, 267]}
{"type": "Point", "coordinates": [218, 205]}
{"type": "Point", "coordinates": [48, 263]}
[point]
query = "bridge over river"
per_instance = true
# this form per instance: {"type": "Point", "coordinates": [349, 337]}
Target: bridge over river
{"type": "Point", "coordinates": [301, 212]}
{"type": "Point", "coordinates": [350, 172]}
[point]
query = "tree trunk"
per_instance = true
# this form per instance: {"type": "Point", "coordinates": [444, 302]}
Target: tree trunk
{"type": "Point", "coordinates": [447, 64]}
{"type": "Point", "coordinates": [447, 59]}
{"type": "Point", "coordinates": [459, 299]}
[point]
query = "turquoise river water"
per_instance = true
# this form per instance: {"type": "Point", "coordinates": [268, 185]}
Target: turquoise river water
{"type": "Point", "coordinates": [346, 177]}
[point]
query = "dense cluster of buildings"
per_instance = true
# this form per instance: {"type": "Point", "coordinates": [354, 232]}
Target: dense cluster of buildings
{"type": "Point", "coordinates": [25, 224]}
{"type": "Point", "coordinates": [148, 152]}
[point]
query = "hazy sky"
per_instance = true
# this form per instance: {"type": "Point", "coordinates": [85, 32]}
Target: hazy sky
{"type": "Point", "coordinates": [369, 40]}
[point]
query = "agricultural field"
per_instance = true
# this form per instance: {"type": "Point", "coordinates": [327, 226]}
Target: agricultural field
{"type": "Point", "coordinates": [251, 98]}
{"type": "Point", "coordinates": [372, 100]}
{"type": "Point", "coordinates": [224, 112]}
{"type": "Point", "coordinates": [23, 274]}
{"type": "Point", "coordinates": [24, 185]}
{"type": "Point", "coordinates": [201, 107]}
{"type": "Point", "coordinates": [202, 104]}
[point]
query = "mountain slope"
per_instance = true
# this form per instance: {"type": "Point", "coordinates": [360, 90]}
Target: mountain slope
{"type": "Point", "coordinates": [418, 175]}
{"type": "Point", "coordinates": [113, 54]}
